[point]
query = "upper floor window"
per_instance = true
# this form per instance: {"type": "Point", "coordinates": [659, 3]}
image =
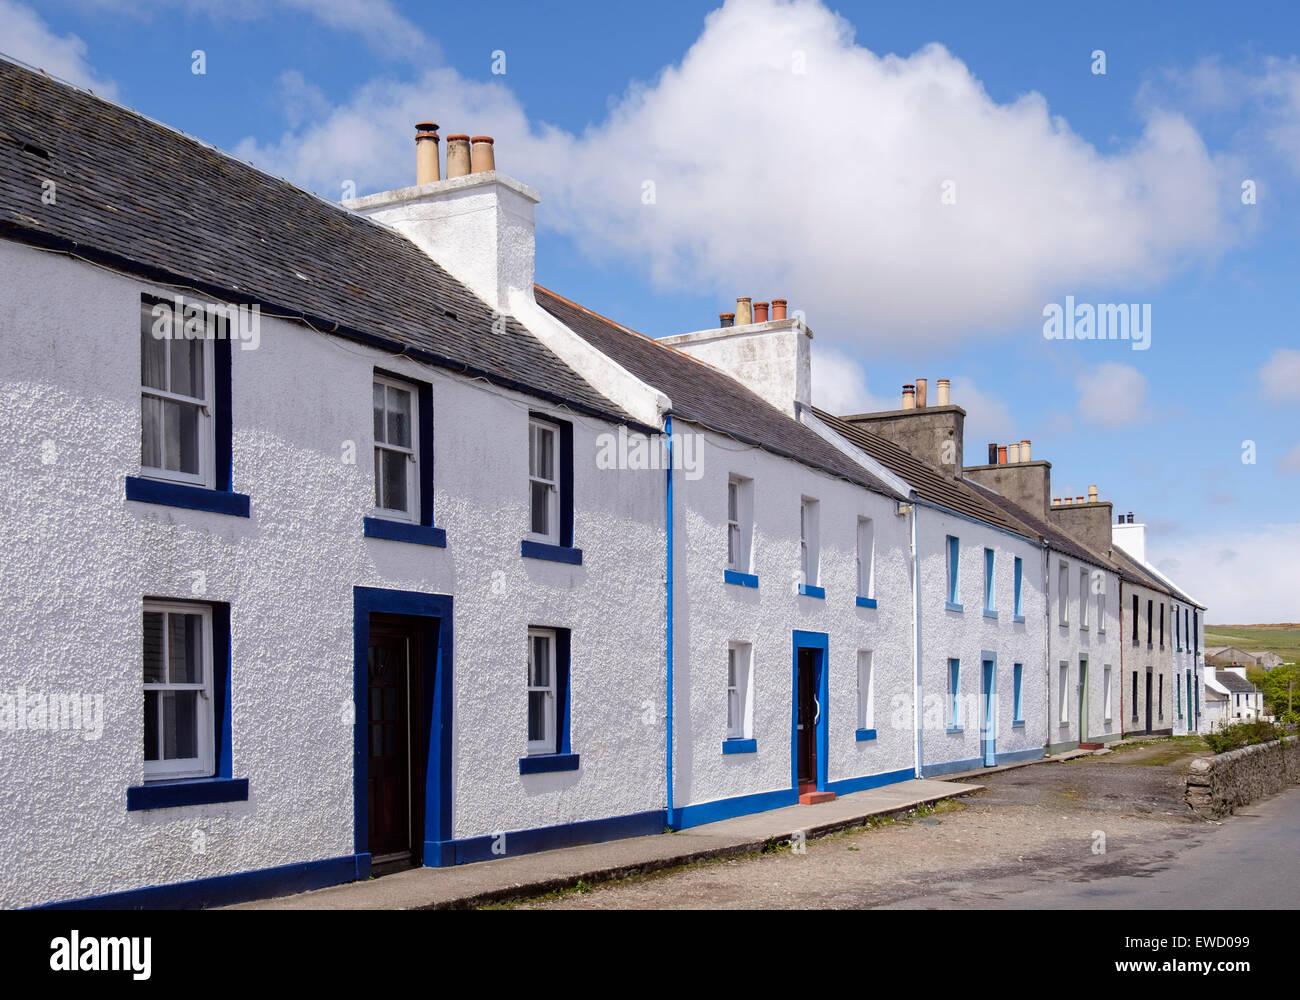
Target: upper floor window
{"type": "Point", "coordinates": [1063, 594]}
{"type": "Point", "coordinates": [397, 455]}
{"type": "Point", "coordinates": [1085, 591]}
{"type": "Point", "coordinates": [809, 549]}
{"type": "Point", "coordinates": [1135, 619]}
{"type": "Point", "coordinates": [543, 482]}
{"type": "Point", "coordinates": [866, 559]}
{"type": "Point", "coordinates": [954, 582]}
{"type": "Point", "coordinates": [1019, 587]}
{"type": "Point", "coordinates": [740, 520]}
{"type": "Point", "coordinates": [177, 390]}
{"type": "Point", "coordinates": [1151, 614]}
{"type": "Point", "coordinates": [1162, 624]}
{"type": "Point", "coordinates": [1178, 629]}
{"type": "Point", "coordinates": [178, 719]}
{"type": "Point", "coordinates": [1101, 605]}
{"type": "Point", "coordinates": [989, 605]}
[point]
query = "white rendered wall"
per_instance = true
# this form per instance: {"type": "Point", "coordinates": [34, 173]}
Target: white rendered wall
{"type": "Point", "coordinates": [1139, 658]}
{"type": "Point", "coordinates": [78, 559]}
{"type": "Point", "coordinates": [967, 634]}
{"type": "Point", "coordinates": [1101, 646]}
{"type": "Point", "coordinates": [710, 614]}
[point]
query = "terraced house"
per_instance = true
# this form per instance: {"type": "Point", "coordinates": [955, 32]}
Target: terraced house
{"type": "Point", "coordinates": [355, 549]}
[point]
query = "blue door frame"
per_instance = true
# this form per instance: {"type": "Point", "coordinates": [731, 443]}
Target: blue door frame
{"type": "Point", "coordinates": [435, 612]}
{"type": "Point", "coordinates": [989, 706]}
{"type": "Point", "coordinates": [819, 642]}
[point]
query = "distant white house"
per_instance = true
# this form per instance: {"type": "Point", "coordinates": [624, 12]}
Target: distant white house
{"type": "Point", "coordinates": [1230, 697]}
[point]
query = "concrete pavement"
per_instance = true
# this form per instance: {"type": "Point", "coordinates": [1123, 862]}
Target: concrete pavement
{"type": "Point", "coordinates": [533, 874]}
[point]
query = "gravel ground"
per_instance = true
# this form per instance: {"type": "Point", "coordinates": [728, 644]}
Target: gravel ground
{"type": "Point", "coordinates": [1078, 821]}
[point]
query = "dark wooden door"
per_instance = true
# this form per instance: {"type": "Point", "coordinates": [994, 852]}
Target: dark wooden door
{"type": "Point", "coordinates": [806, 732]}
{"type": "Point", "coordinates": [394, 774]}
{"type": "Point", "coordinates": [1148, 729]}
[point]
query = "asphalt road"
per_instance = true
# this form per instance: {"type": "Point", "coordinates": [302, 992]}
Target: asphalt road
{"type": "Point", "coordinates": [1251, 862]}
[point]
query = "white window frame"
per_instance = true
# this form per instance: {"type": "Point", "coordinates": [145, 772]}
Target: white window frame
{"type": "Point", "coordinates": [206, 423]}
{"type": "Point", "coordinates": [1063, 597]}
{"type": "Point", "coordinates": [809, 542]}
{"type": "Point", "coordinates": [1064, 693]}
{"type": "Point", "coordinates": [866, 691]}
{"type": "Point", "coordinates": [866, 564]}
{"type": "Point", "coordinates": [412, 512]}
{"type": "Point", "coordinates": [1105, 673]}
{"type": "Point", "coordinates": [1085, 589]}
{"type": "Point", "coordinates": [1101, 608]}
{"type": "Point", "coordinates": [549, 743]}
{"type": "Point", "coordinates": [537, 427]}
{"type": "Point", "coordinates": [739, 701]}
{"type": "Point", "coordinates": [202, 766]}
{"type": "Point", "coordinates": [740, 523]}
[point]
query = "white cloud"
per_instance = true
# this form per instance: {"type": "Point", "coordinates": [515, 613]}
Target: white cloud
{"type": "Point", "coordinates": [1111, 395]}
{"type": "Point", "coordinates": [987, 417]}
{"type": "Point", "coordinates": [1243, 575]}
{"type": "Point", "coordinates": [839, 384]}
{"type": "Point", "coordinates": [826, 182]}
{"type": "Point", "coordinates": [1290, 462]}
{"type": "Point", "coordinates": [1280, 375]}
{"type": "Point", "coordinates": [28, 38]}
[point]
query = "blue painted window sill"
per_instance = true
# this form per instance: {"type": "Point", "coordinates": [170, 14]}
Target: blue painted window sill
{"type": "Point", "coordinates": [989, 613]}
{"type": "Point", "coordinates": [167, 494]}
{"type": "Point", "coordinates": [544, 763]}
{"type": "Point", "coordinates": [865, 602]}
{"type": "Point", "coordinates": [1017, 723]}
{"type": "Point", "coordinates": [739, 746]}
{"type": "Point", "coordinates": [808, 590]}
{"type": "Point", "coordinates": [953, 730]}
{"type": "Point", "coordinates": [739, 579]}
{"type": "Point", "coordinates": [401, 531]}
{"type": "Point", "coordinates": [950, 606]}
{"type": "Point", "coordinates": [1018, 619]}
{"type": "Point", "coordinates": [186, 792]}
{"type": "Point", "coordinates": [865, 734]}
{"type": "Point", "coordinates": [551, 553]}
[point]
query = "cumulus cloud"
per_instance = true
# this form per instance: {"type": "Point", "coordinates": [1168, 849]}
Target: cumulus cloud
{"type": "Point", "coordinates": [839, 384]}
{"type": "Point", "coordinates": [1111, 395]}
{"type": "Point", "coordinates": [1241, 575]}
{"type": "Point", "coordinates": [1280, 376]}
{"type": "Point", "coordinates": [1290, 462]}
{"type": "Point", "coordinates": [780, 151]}
{"type": "Point", "coordinates": [27, 37]}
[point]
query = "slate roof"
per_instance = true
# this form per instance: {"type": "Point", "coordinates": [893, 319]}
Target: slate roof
{"type": "Point", "coordinates": [142, 198]}
{"type": "Point", "coordinates": [931, 484]}
{"type": "Point", "coordinates": [1234, 683]}
{"type": "Point", "coordinates": [705, 396]}
{"type": "Point", "coordinates": [1056, 537]}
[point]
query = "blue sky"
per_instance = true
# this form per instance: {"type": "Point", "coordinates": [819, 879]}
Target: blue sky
{"type": "Point", "coordinates": [824, 188]}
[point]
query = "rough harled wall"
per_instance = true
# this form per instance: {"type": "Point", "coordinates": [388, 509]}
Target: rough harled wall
{"type": "Point", "coordinates": [1024, 483]}
{"type": "Point", "coordinates": [1216, 786]}
{"type": "Point", "coordinates": [967, 634]}
{"type": "Point", "coordinates": [1182, 665]}
{"type": "Point", "coordinates": [772, 359]}
{"type": "Point", "coordinates": [1099, 642]}
{"type": "Point", "coordinates": [78, 559]}
{"type": "Point", "coordinates": [1143, 656]}
{"type": "Point", "coordinates": [710, 614]}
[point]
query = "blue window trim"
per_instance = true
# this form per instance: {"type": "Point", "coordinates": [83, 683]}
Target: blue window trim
{"type": "Point", "coordinates": [221, 786]}
{"type": "Point", "coordinates": [863, 735]}
{"type": "Point", "coordinates": [990, 613]}
{"type": "Point", "coordinates": [545, 763]}
{"type": "Point", "coordinates": [437, 663]}
{"type": "Point", "coordinates": [186, 792]}
{"type": "Point", "coordinates": [159, 491]}
{"type": "Point", "coordinates": [401, 531]}
{"type": "Point", "coordinates": [1017, 694]}
{"type": "Point", "coordinates": [551, 553]}
{"type": "Point", "coordinates": [730, 746]}
{"type": "Point", "coordinates": [808, 590]}
{"type": "Point", "coordinates": [953, 730]}
{"type": "Point", "coordinates": [1018, 602]}
{"type": "Point", "coordinates": [865, 602]}
{"type": "Point", "coordinates": [954, 692]}
{"type": "Point", "coordinates": [820, 643]}
{"type": "Point", "coordinates": [564, 759]}
{"type": "Point", "coordinates": [739, 579]}
{"type": "Point", "coordinates": [1018, 619]}
{"type": "Point", "coordinates": [948, 605]}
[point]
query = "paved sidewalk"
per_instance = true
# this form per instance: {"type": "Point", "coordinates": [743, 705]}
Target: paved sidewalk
{"type": "Point", "coordinates": [533, 874]}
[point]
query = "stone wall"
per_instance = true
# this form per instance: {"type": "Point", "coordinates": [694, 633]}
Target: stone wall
{"type": "Point", "coordinates": [1216, 786]}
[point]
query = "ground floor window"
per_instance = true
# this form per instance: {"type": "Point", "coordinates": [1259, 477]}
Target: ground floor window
{"type": "Point", "coordinates": [179, 741]}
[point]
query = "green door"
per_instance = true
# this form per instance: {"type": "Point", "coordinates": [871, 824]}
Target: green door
{"type": "Point", "coordinates": [1083, 699]}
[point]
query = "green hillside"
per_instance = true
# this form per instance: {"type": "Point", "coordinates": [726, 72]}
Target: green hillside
{"type": "Point", "coordinates": [1283, 639]}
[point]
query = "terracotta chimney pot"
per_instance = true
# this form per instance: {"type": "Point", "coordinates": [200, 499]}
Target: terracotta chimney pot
{"type": "Point", "coordinates": [426, 152]}
{"type": "Point", "coordinates": [920, 393]}
{"type": "Point", "coordinates": [943, 391]}
{"type": "Point", "coordinates": [457, 156]}
{"type": "Point", "coordinates": [481, 157]}
{"type": "Point", "coordinates": [744, 311]}
{"type": "Point", "coordinates": [1024, 450]}
{"type": "Point", "coordinates": [760, 312]}
{"type": "Point", "coordinates": [909, 397]}
{"type": "Point", "coordinates": [726, 319]}
{"type": "Point", "coordinates": [778, 308]}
